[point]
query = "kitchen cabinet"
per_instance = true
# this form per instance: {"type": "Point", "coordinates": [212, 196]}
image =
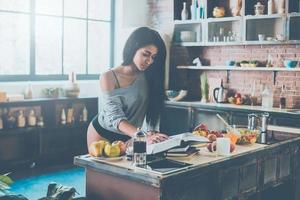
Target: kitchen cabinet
{"type": "Point", "coordinates": [50, 143]}
{"type": "Point", "coordinates": [270, 26]}
{"type": "Point", "coordinates": [276, 28]}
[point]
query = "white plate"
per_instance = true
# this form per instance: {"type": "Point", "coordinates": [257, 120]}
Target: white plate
{"type": "Point", "coordinates": [112, 159]}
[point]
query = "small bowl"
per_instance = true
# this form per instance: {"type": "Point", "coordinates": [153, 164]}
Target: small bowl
{"type": "Point", "coordinates": [290, 63]}
{"type": "Point", "coordinates": [230, 63]}
{"type": "Point", "coordinates": [172, 93]}
{"type": "Point", "coordinates": [176, 95]}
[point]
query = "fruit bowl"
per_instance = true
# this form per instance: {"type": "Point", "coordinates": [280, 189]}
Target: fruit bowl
{"type": "Point", "coordinates": [245, 136]}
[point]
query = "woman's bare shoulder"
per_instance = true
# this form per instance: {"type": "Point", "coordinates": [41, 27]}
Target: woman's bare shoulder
{"type": "Point", "coordinates": [107, 81]}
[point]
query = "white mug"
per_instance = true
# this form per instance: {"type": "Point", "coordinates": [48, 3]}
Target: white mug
{"type": "Point", "coordinates": [261, 37]}
{"type": "Point", "coordinates": [223, 146]}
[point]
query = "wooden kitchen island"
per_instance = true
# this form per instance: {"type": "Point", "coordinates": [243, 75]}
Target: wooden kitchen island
{"type": "Point", "coordinates": [251, 172]}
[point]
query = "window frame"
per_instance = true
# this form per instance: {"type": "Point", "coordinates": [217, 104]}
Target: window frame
{"type": "Point", "coordinates": [32, 76]}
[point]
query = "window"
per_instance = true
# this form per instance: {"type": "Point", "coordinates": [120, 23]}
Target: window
{"type": "Point", "coordinates": [48, 39]}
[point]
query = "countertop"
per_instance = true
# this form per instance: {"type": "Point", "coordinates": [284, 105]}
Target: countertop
{"type": "Point", "coordinates": [233, 107]}
{"type": "Point", "coordinates": [203, 159]}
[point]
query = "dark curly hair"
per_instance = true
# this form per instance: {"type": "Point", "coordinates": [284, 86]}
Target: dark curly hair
{"type": "Point", "coordinates": [155, 73]}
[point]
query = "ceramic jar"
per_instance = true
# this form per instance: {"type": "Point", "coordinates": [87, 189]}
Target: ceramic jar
{"type": "Point", "coordinates": [259, 9]}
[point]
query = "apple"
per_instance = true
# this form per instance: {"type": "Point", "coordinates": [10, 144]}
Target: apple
{"type": "Point", "coordinates": [211, 147]}
{"type": "Point", "coordinates": [237, 95]}
{"type": "Point", "coordinates": [96, 148]}
{"type": "Point", "coordinates": [211, 137]}
{"type": "Point", "coordinates": [232, 147]}
{"type": "Point", "coordinates": [112, 150]}
{"type": "Point", "coordinates": [121, 145]}
{"type": "Point", "coordinates": [217, 133]}
{"type": "Point", "coordinates": [201, 127]}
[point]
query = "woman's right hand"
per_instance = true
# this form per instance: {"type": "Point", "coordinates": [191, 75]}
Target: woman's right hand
{"type": "Point", "coordinates": [156, 138]}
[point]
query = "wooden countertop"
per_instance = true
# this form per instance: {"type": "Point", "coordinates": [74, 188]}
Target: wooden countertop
{"type": "Point", "coordinates": [202, 161]}
{"type": "Point", "coordinates": [204, 157]}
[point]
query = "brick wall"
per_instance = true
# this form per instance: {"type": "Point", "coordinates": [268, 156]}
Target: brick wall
{"type": "Point", "coordinates": [161, 13]}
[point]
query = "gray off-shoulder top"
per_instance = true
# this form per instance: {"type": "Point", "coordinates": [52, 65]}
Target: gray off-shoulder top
{"type": "Point", "coordinates": [126, 103]}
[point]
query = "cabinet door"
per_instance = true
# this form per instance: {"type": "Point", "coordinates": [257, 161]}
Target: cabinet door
{"type": "Point", "coordinates": [229, 182]}
{"type": "Point", "coordinates": [55, 144]}
{"type": "Point", "coordinates": [208, 117]}
{"type": "Point", "coordinates": [248, 177]}
{"type": "Point", "coordinates": [78, 140]}
{"type": "Point", "coordinates": [175, 120]}
{"type": "Point", "coordinates": [18, 146]}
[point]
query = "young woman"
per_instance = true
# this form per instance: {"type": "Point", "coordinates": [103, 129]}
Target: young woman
{"type": "Point", "coordinates": [133, 91]}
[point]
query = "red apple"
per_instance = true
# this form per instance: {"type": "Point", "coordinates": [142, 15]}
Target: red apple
{"type": "Point", "coordinates": [237, 95]}
{"type": "Point", "coordinates": [122, 146]}
{"type": "Point", "coordinates": [201, 127]}
{"type": "Point", "coordinates": [232, 147]}
{"type": "Point", "coordinates": [211, 147]}
{"type": "Point", "coordinates": [211, 137]}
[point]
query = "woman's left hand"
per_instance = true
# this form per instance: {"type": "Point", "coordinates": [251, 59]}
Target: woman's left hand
{"type": "Point", "coordinates": [156, 137]}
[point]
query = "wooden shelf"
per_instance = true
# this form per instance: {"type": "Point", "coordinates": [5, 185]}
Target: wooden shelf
{"type": "Point", "coordinates": [271, 25]}
{"type": "Point", "coordinates": [272, 69]}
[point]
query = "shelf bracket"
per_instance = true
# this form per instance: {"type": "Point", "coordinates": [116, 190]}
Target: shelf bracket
{"type": "Point", "coordinates": [274, 77]}
{"type": "Point", "coordinates": [227, 76]}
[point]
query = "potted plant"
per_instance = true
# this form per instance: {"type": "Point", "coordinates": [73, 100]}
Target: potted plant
{"type": "Point", "coordinates": [253, 63]}
{"type": "Point", "coordinates": [5, 182]}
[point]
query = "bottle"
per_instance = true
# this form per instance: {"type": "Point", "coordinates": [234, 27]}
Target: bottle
{"type": "Point", "coordinates": [221, 36]}
{"type": "Point", "coordinates": [40, 122]}
{"type": "Point", "coordinates": [70, 116]}
{"type": "Point", "coordinates": [270, 7]}
{"type": "Point", "coordinates": [139, 149]}
{"type": "Point", "coordinates": [282, 98]}
{"type": "Point", "coordinates": [21, 122]}
{"type": "Point", "coordinates": [267, 98]}
{"type": "Point", "coordinates": [31, 118]}
{"type": "Point", "coordinates": [201, 9]}
{"type": "Point", "coordinates": [220, 92]}
{"type": "Point", "coordinates": [11, 121]}
{"type": "Point", "coordinates": [269, 61]}
{"type": "Point", "coordinates": [281, 7]}
{"type": "Point", "coordinates": [84, 114]}
{"type": "Point", "coordinates": [194, 10]}
{"type": "Point", "coordinates": [63, 117]}
{"type": "Point", "coordinates": [184, 12]}
{"type": "Point", "coordinates": [4, 117]}
{"type": "Point", "coordinates": [28, 92]}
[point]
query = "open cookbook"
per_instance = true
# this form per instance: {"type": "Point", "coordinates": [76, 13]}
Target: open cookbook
{"type": "Point", "coordinates": [175, 141]}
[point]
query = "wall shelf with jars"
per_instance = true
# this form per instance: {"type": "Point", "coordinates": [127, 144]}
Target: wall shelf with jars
{"type": "Point", "coordinates": [44, 131]}
{"type": "Point", "coordinates": [237, 22]}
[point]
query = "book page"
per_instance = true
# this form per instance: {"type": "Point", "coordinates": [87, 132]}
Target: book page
{"type": "Point", "coordinates": [190, 137]}
{"type": "Point", "coordinates": [163, 146]}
